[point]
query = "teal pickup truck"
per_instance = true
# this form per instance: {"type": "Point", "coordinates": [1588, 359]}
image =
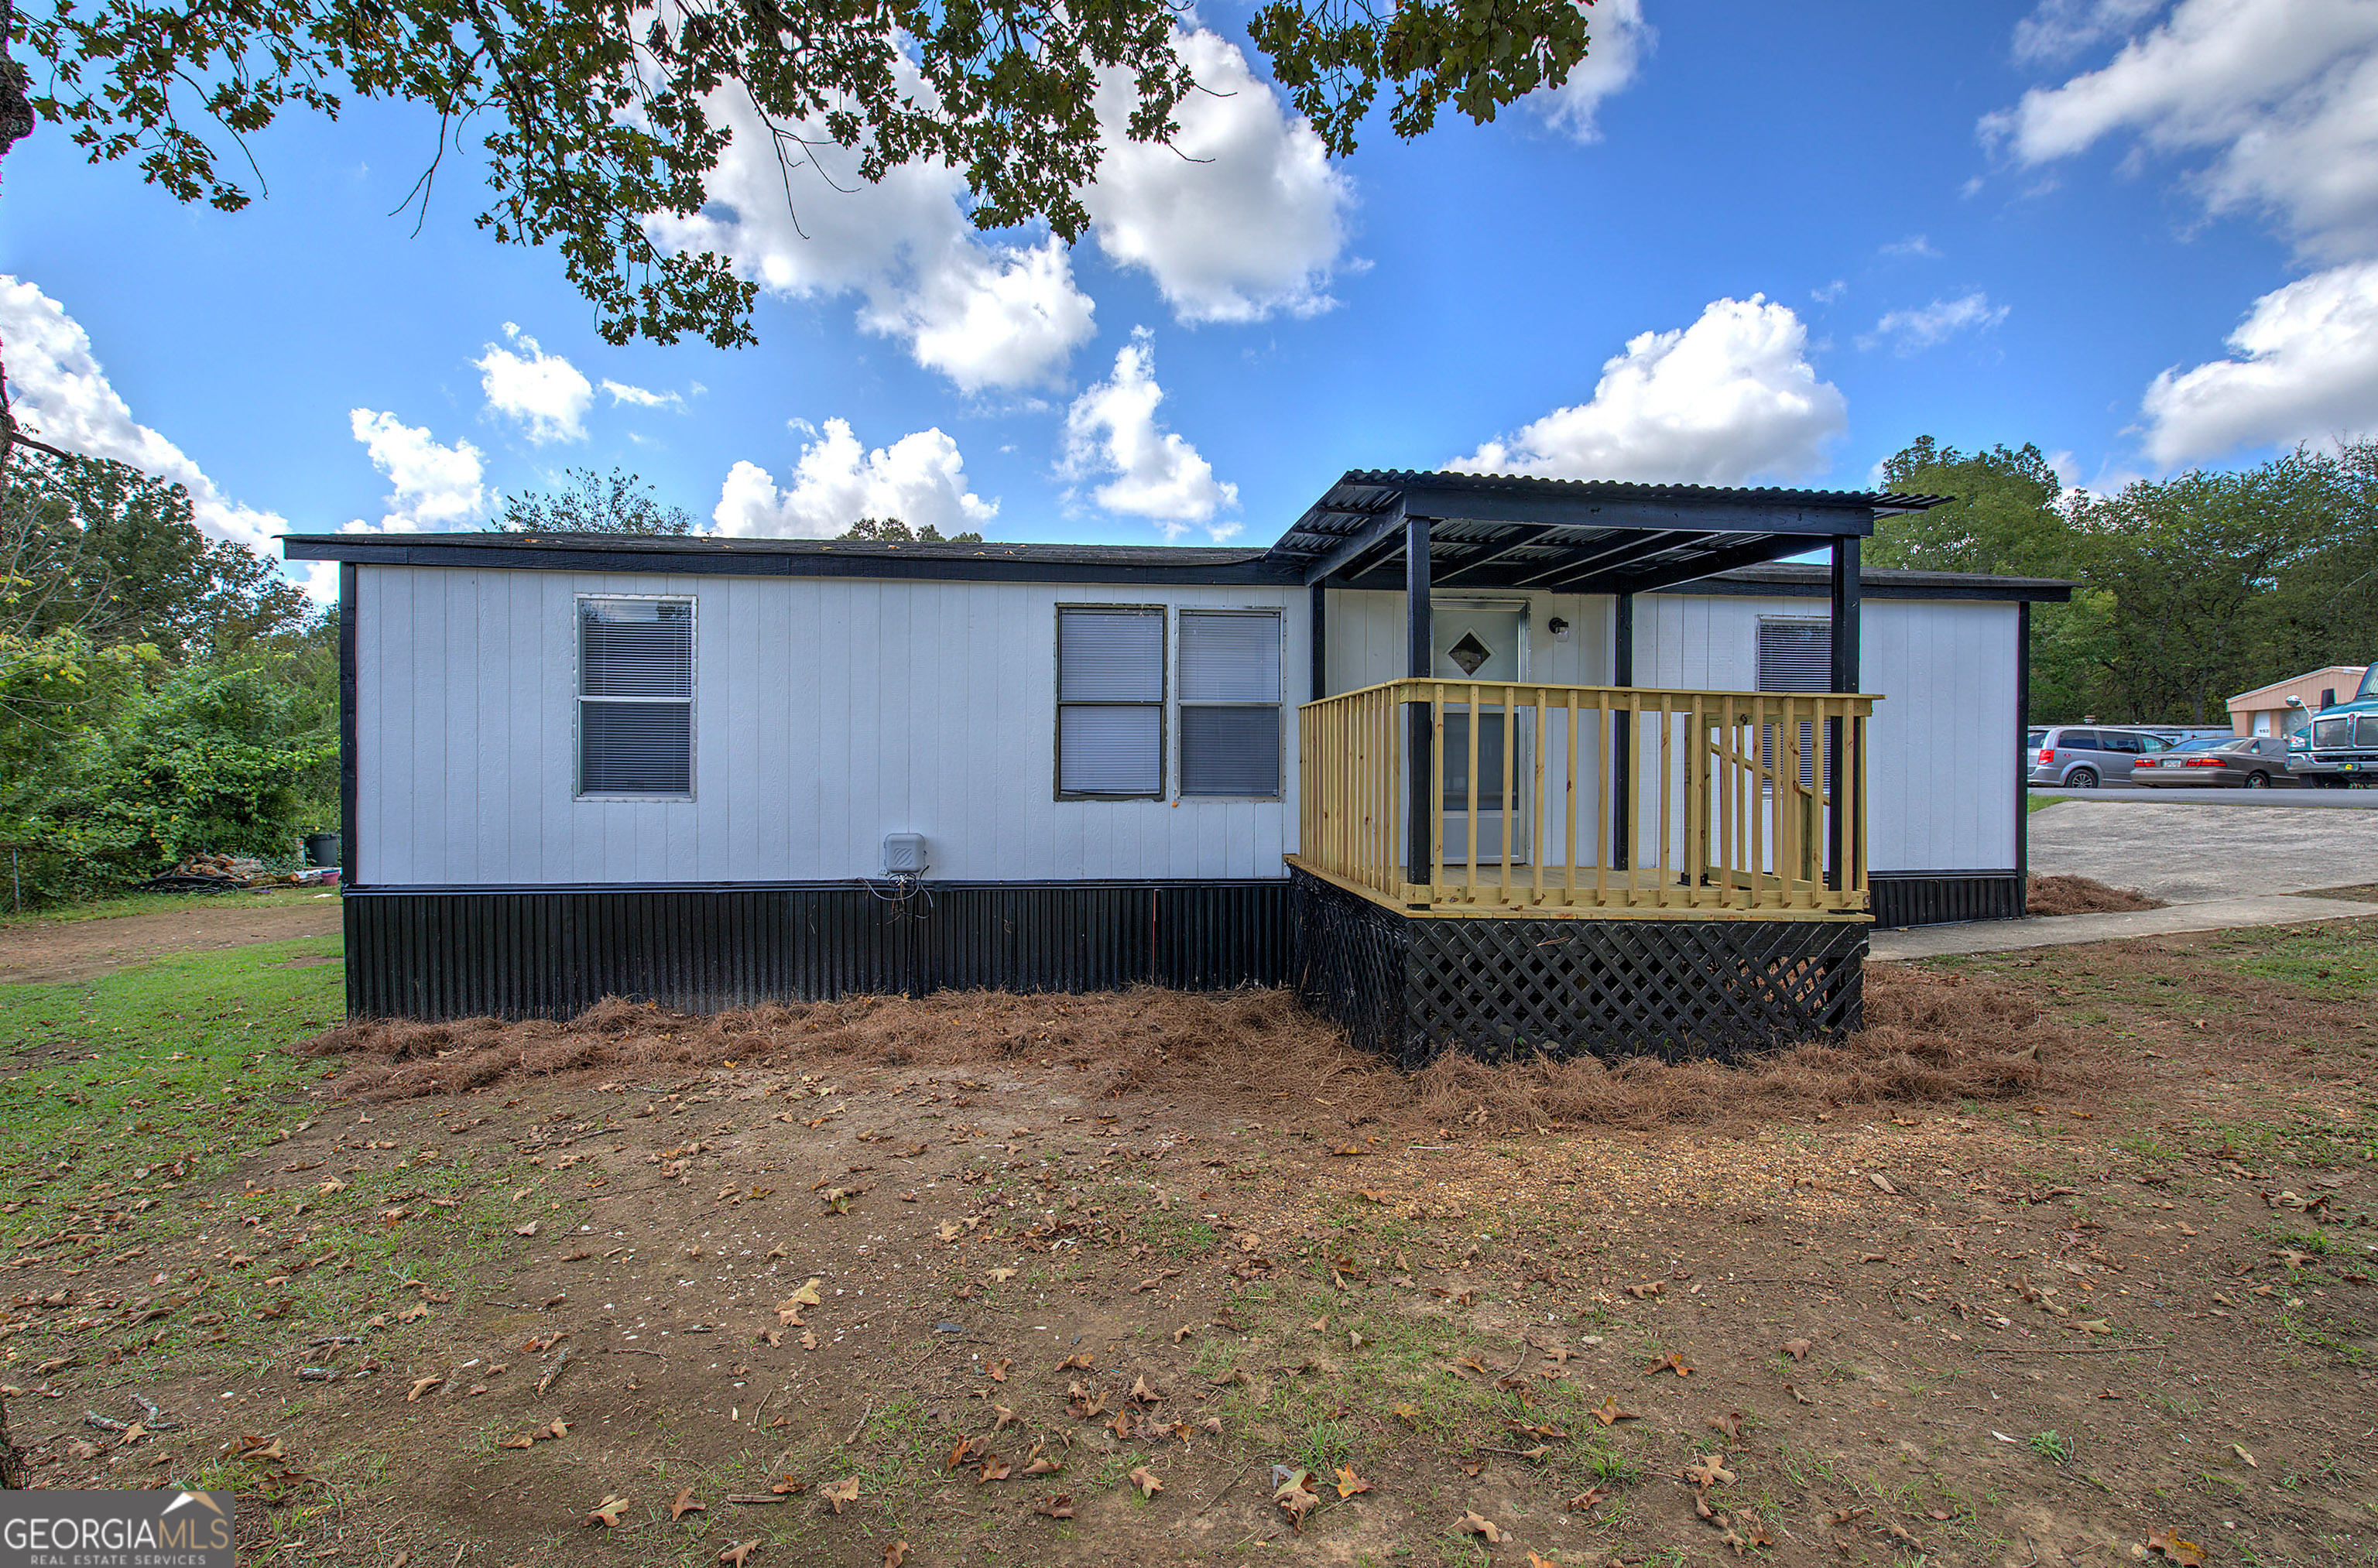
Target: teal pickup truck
{"type": "Point", "coordinates": [2338, 748]}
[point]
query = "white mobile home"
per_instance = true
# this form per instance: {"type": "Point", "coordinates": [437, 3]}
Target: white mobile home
{"type": "Point", "coordinates": [712, 770]}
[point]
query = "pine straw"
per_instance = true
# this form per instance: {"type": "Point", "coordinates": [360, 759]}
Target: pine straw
{"type": "Point", "coordinates": [1930, 1038]}
{"type": "Point", "coordinates": [2079, 895]}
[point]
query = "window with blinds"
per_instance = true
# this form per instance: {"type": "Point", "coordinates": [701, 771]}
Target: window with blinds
{"type": "Point", "coordinates": [1109, 702]}
{"type": "Point", "coordinates": [1229, 702]}
{"type": "Point", "coordinates": [635, 698]}
{"type": "Point", "coordinates": [1795, 656]}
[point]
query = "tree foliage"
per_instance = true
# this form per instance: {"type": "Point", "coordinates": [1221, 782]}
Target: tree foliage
{"type": "Point", "coordinates": [588, 503]}
{"type": "Point", "coordinates": [2187, 589]}
{"type": "Point", "coordinates": [893, 530]}
{"type": "Point", "coordinates": [160, 691]}
{"type": "Point", "coordinates": [603, 114]}
{"type": "Point", "coordinates": [100, 548]}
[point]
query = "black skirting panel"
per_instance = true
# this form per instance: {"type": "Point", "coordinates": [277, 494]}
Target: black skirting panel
{"type": "Point", "coordinates": [1936, 898]}
{"type": "Point", "coordinates": [552, 954]}
{"type": "Point", "coordinates": [1498, 988]}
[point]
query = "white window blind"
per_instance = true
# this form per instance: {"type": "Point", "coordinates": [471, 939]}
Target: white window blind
{"type": "Point", "coordinates": [1795, 656]}
{"type": "Point", "coordinates": [1229, 702]}
{"type": "Point", "coordinates": [1111, 701]}
{"type": "Point", "coordinates": [635, 697]}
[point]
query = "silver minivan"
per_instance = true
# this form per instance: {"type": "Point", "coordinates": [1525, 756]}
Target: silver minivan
{"type": "Point", "coordinates": [2085, 755]}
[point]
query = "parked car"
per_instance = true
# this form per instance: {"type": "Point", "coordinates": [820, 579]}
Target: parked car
{"type": "Point", "coordinates": [2338, 747]}
{"type": "Point", "coordinates": [2084, 756]}
{"type": "Point", "coordinates": [2253, 761]}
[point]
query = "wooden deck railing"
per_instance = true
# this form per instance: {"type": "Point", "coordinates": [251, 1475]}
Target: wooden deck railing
{"type": "Point", "coordinates": [1596, 800]}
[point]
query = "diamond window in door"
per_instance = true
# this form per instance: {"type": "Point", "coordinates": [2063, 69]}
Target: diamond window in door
{"type": "Point", "coordinates": [1469, 653]}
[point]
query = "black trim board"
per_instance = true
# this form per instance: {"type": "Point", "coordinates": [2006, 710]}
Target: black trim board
{"type": "Point", "coordinates": [347, 761]}
{"type": "Point", "coordinates": [1106, 566]}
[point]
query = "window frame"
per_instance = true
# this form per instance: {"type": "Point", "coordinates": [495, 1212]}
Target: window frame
{"type": "Point", "coordinates": [579, 697]}
{"type": "Point", "coordinates": [1162, 615]}
{"type": "Point", "coordinates": [1278, 705]}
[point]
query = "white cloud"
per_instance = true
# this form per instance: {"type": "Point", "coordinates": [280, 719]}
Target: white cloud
{"type": "Point", "coordinates": [1831, 292]}
{"type": "Point", "coordinates": [431, 486]}
{"type": "Point", "coordinates": [1112, 431]}
{"type": "Point", "coordinates": [919, 479]}
{"type": "Point", "coordinates": [1241, 216]}
{"type": "Point", "coordinates": [1619, 40]}
{"type": "Point", "coordinates": [641, 397]}
{"type": "Point", "coordinates": [1728, 399]}
{"type": "Point", "coordinates": [2307, 369]}
{"type": "Point", "coordinates": [1912, 332]}
{"type": "Point", "coordinates": [2061, 29]}
{"type": "Point", "coordinates": [985, 315]}
{"type": "Point", "coordinates": [62, 396]}
{"type": "Point", "coordinates": [544, 392]}
{"type": "Point", "coordinates": [1919, 246]}
{"type": "Point", "coordinates": [2281, 94]}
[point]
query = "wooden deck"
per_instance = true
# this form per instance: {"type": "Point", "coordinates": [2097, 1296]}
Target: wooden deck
{"type": "Point", "coordinates": [1589, 802]}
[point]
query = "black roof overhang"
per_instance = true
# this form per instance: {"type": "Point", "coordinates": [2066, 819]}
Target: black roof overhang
{"type": "Point", "coordinates": [1577, 536]}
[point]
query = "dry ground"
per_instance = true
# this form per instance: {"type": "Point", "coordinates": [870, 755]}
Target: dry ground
{"type": "Point", "coordinates": [37, 951]}
{"type": "Point", "coordinates": [2070, 1256]}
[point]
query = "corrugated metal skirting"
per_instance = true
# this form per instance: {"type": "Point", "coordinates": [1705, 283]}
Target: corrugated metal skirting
{"type": "Point", "coordinates": [1936, 898]}
{"type": "Point", "coordinates": [553, 954]}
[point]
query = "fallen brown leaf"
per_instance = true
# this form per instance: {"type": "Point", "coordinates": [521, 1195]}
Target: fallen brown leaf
{"type": "Point", "coordinates": [2187, 1553]}
{"type": "Point", "coordinates": [894, 1553]}
{"type": "Point", "coordinates": [837, 1494]}
{"type": "Point", "coordinates": [1797, 1349]}
{"type": "Point", "coordinates": [1473, 1525]}
{"type": "Point", "coordinates": [685, 1504]}
{"type": "Point", "coordinates": [734, 1555]}
{"type": "Point", "coordinates": [1060, 1506]}
{"type": "Point", "coordinates": [1608, 1413]}
{"type": "Point", "coordinates": [607, 1514]}
{"type": "Point", "coordinates": [1144, 1479]}
{"type": "Point", "coordinates": [1348, 1483]}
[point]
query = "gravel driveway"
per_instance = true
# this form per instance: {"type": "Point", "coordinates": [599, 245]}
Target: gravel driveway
{"type": "Point", "coordinates": [2189, 853]}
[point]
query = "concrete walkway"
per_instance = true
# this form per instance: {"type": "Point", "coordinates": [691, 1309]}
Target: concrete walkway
{"type": "Point", "coordinates": [2211, 914]}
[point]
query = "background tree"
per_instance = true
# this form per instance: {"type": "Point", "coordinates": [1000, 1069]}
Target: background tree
{"type": "Point", "coordinates": [892, 529]}
{"type": "Point", "coordinates": [100, 548]}
{"type": "Point", "coordinates": [604, 113]}
{"type": "Point", "coordinates": [587, 503]}
{"type": "Point", "coordinates": [2187, 589]}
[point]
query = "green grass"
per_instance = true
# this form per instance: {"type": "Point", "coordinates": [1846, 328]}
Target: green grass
{"type": "Point", "coordinates": [132, 1083]}
{"type": "Point", "coordinates": [150, 903]}
{"type": "Point", "coordinates": [2042, 802]}
{"type": "Point", "coordinates": [2333, 961]}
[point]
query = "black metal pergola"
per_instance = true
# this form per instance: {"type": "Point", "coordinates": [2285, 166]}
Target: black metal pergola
{"type": "Point", "coordinates": [1421, 531]}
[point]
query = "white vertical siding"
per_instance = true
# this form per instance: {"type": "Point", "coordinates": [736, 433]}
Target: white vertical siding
{"type": "Point", "coordinates": [1941, 745]}
{"type": "Point", "coordinates": [827, 714]}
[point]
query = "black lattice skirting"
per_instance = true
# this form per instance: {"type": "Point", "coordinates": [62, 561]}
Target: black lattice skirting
{"type": "Point", "coordinates": [1415, 988]}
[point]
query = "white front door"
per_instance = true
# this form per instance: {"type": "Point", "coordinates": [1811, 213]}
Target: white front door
{"type": "Point", "coordinates": [1487, 642]}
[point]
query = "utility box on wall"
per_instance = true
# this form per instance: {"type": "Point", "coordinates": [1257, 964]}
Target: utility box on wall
{"type": "Point", "coordinates": [903, 855]}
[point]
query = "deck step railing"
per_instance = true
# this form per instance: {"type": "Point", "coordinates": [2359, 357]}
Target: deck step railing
{"type": "Point", "coordinates": [1589, 798]}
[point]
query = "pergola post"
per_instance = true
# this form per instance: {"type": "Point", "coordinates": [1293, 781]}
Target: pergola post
{"type": "Point", "coordinates": [1318, 616]}
{"type": "Point", "coordinates": [1622, 735]}
{"type": "Point", "coordinates": [1844, 679]}
{"type": "Point", "coordinates": [1420, 810]}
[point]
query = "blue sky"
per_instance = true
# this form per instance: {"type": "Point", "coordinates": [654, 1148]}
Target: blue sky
{"type": "Point", "coordinates": [1747, 246]}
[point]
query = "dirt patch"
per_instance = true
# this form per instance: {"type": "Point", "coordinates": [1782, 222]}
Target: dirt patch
{"type": "Point", "coordinates": [1930, 1038]}
{"type": "Point", "coordinates": [48, 952]}
{"type": "Point", "coordinates": [2081, 895]}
